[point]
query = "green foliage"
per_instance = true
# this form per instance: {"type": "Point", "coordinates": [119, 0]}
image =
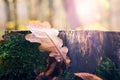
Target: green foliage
{"type": "Point", "coordinates": [107, 70]}
{"type": "Point", "coordinates": [19, 58]}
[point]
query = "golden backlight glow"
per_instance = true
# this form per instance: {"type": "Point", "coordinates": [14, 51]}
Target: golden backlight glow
{"type": "Point", "coordinates": [91, 13]}
{"type": "Point", "coordinates": [95, 27]}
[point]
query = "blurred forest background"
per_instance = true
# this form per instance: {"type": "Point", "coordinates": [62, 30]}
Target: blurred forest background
{"type": "Point", "coordinates": [15, 14]}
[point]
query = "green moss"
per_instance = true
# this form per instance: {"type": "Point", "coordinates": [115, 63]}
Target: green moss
{"type": "Point", "coordinates": [107, 70]}
{"type": "Point", "coordinates": [19, 57]}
